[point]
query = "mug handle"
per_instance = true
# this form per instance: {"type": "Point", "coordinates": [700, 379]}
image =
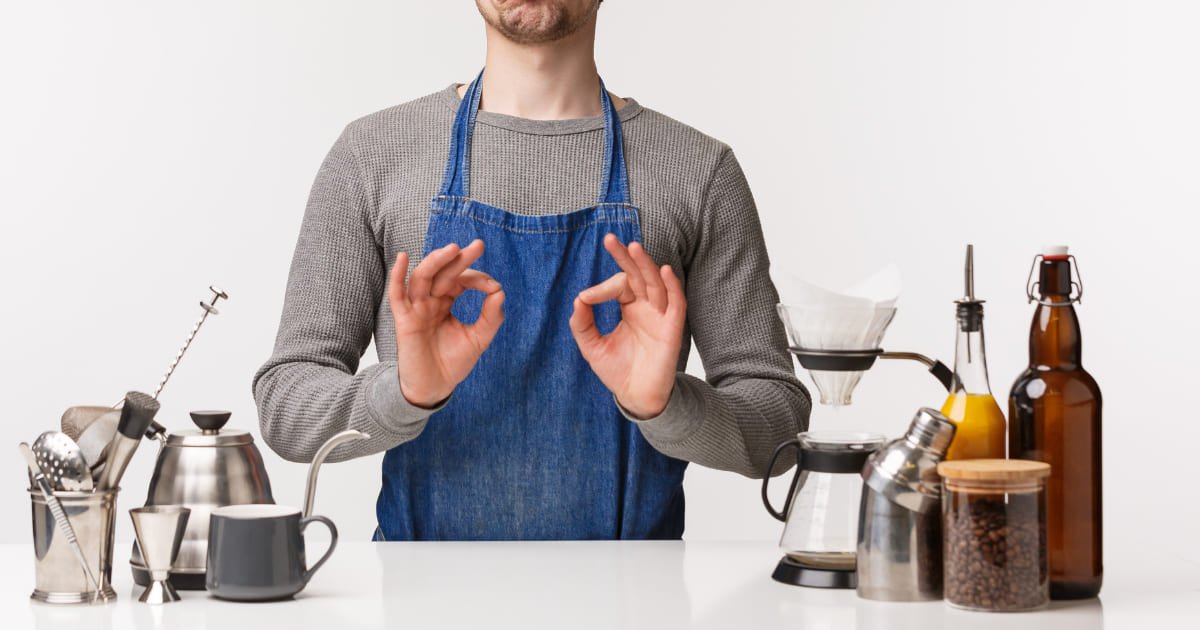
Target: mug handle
{"type": "Point", "coordinates": [304, 522]}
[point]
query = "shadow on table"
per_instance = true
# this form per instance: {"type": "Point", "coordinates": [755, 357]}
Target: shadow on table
{"type": "Point", "coordinates": [767, 604]}
{"type": "Point", "coordinates": [68, 617]}
{"type": "Point", "coordinates": [197, 611]}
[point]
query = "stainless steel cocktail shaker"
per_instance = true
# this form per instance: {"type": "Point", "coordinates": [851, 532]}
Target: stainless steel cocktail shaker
{"type": "Point", "coordinates": [899, 533]}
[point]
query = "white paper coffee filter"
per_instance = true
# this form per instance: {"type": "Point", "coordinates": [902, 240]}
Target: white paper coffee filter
{"type": "Point", "coordinates": [852, 319]}
{"type": "Point", "coordinates": [856, 318]}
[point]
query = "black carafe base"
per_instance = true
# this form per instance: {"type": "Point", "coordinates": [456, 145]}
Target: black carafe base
{"type": "Point", "coordinates": [789, 571]}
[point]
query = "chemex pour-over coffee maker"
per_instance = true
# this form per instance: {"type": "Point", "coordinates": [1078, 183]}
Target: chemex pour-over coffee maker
{"type": "Point", "coordinates": [836, 338]}
{"type": "Point", "coordinates": [820, 515]}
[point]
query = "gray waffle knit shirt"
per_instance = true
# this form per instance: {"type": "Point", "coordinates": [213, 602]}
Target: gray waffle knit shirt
{"type": "Point", "coordinates": [370, 201]}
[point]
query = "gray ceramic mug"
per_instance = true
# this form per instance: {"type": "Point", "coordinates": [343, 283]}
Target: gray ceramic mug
{"type": "Point", "coordinates": [256, 552]}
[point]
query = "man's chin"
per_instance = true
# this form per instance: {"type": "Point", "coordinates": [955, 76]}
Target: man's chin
{"type": "Point", "coordinates": [534, 25]}
{"type": "Point", "coordinates": [536, 21]}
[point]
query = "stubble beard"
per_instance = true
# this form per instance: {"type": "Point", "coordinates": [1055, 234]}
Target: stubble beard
{"type": "Point", "coordinates": [536, 22]}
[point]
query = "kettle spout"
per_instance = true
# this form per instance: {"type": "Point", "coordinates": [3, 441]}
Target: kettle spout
{"type": "Point", "coordinates": [310, 488]}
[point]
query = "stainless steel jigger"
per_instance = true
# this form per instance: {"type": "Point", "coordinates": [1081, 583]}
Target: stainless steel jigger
{"type": "Point", "coordinates": [159, 530]}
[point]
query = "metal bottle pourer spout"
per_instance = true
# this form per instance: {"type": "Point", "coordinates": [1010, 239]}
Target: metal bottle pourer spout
{"type": "Point", "coordinates": [969, 273]}
{"type": "Point", "coordinates": [970, 310]}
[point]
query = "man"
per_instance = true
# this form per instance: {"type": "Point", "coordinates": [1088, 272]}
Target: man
{"type": "Point", "coordinates": [531, 333]}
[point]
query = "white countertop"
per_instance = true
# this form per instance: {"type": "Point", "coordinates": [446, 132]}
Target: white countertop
{"type": "Point", "coordinates": [654, 585]}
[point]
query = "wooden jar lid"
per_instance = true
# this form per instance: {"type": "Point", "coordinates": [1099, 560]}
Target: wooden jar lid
{"type": "Point", "coordinates": [994, 469]}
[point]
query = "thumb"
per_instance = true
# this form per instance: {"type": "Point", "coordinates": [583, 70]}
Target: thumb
{"type": "Point", "coordinates": [491, 315]}
{"type": "Point", "coordinates": [583, 328]}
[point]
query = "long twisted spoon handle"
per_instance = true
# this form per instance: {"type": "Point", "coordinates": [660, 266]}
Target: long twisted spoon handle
{"type": "Point", "coordinates": [209, 309]}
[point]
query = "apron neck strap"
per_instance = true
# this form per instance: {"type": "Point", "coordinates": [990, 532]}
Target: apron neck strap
{"type": "Point", "coordinates": [614, 181]}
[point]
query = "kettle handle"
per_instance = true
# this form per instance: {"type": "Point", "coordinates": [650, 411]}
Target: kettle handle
{"type": "Point", "coordinates": [782, 515]}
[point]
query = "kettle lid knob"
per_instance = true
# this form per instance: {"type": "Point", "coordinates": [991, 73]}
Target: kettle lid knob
{"type": "Point", "coordinates": [210, 421]}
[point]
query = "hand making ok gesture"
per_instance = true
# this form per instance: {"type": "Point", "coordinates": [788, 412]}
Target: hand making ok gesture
{"type": "Point", "coordinates": [435, 351]}
{"type": "Point", "coordinates": [638, 359]}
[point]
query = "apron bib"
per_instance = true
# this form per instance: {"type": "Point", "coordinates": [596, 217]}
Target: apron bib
{"type": "Point", "coordinates": [531, 445]}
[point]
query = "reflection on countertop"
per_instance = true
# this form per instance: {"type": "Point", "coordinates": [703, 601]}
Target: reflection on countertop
{"type": "Point", "coordinates": [774, 606]}
{"type": "Point", "coordinates": [652, 585]}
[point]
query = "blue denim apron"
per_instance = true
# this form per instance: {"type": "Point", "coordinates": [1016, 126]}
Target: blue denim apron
{"type": "Point", "coordinates": [531, 445]}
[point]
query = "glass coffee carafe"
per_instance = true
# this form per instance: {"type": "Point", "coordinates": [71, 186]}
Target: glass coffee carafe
{"type": "Point", "coordinates": [820, 515]}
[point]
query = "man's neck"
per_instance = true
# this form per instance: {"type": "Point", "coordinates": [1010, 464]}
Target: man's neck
{"type": "Point", "coordinates": [552, 81]}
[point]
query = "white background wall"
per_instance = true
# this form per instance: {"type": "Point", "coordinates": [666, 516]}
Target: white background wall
{"type": "Point", "coordinates": [150, 149]}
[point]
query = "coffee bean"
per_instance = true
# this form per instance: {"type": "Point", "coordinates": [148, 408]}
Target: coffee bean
{"type": "Point", "coordinates": [995, 550]}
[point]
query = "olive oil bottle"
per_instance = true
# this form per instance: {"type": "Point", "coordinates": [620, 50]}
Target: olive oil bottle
{"type": "Point", "coordinates": [1054, 408]}
{"type": "Point", "coordinates": [980, 422]}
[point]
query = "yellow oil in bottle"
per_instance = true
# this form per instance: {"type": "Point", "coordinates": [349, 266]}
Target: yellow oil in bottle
{"type": "Point", "coordinates": [981, 431]}
{"type": "Point", "coordinates": [981, 428]}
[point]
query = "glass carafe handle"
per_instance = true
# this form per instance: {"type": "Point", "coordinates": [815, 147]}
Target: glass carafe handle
{"type": "Point", "coordinates": [787, 503]}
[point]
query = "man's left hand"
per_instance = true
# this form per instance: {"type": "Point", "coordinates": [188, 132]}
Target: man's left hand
{"type": "Point", "coordinates": [638, 359]}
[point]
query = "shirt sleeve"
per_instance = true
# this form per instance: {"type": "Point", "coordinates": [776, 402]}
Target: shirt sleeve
{"type": "Point", "coordinates": [750, 400]}
{"type": "Point", "coordinates": [308, 390]}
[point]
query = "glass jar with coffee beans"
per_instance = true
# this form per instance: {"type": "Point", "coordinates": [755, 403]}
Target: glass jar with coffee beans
{"type": "Point", "coordinates": [994, 534]}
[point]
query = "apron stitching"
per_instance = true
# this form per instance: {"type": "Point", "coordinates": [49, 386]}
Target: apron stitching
{"type": "Point", "coordinates": [558, 231]}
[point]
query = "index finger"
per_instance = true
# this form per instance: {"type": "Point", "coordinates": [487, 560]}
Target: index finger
{"type": "Point", "coordinates": [444, 280]}
{"type": "Point", "coordinates": [656, 293]}
{"type": "Point", "coordinates": [633, 274]}
{"type": "Point", "coordinates": [421, 282]}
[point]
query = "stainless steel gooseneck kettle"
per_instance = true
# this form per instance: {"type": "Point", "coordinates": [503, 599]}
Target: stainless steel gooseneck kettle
{"type": "Point", "coordinates": [202, 469]}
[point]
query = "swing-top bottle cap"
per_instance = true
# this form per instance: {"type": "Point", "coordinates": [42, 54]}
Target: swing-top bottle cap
{"type": "Point", "coordinates": [1055, 252]}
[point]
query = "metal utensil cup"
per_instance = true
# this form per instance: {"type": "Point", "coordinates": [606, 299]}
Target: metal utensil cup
{"type": "Point", "coordinates": [59, 578]}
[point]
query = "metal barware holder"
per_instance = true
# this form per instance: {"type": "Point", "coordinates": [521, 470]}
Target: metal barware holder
{"type": "Point", "coordinates": [59, 577]}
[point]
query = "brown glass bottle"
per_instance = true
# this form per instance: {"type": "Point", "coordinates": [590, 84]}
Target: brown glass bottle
{"type": "Point", "coordinates": [1054, 417]}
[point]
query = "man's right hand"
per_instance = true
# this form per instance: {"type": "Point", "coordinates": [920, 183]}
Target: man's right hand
{"type": "Point", "coordinates": [435, 351]}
